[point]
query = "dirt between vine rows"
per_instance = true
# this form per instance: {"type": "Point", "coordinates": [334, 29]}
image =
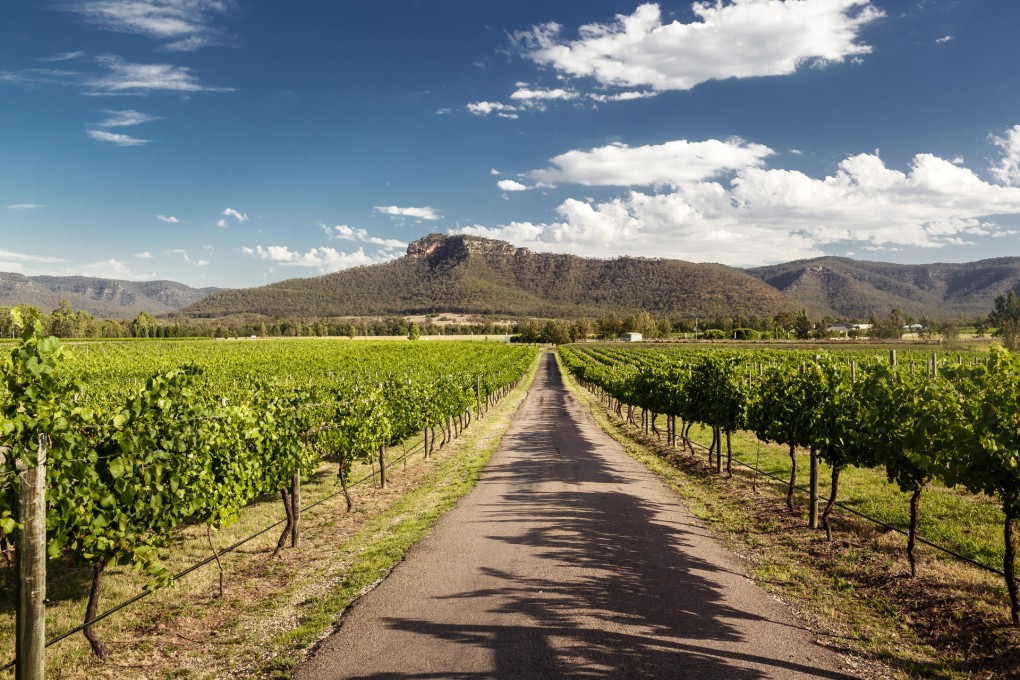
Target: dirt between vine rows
{"type": "Point", "coordinates": [570, 559]}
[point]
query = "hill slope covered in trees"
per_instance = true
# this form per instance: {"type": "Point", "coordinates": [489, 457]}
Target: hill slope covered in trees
{"type": "Point", "coordinates": [468, 274]}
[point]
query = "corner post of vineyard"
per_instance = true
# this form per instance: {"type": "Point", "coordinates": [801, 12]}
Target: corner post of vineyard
{"type": "Point", "coordinates": [31, 567]}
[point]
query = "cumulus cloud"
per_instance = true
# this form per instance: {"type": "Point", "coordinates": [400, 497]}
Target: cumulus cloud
{"type": "Point", "coordinates": [510, 185]}
{"type": "Point", "coordinates": [182, 25]}
{"type": "Point", "coordinates": [626, 96]}
{"type": "Point", "coordinates": [184, 255]}
{"type": "Point", "coordinates": [167, 218]}
{"type": "Point", "coordinates": [1007, 170]}
{"type": "Point", "coordinates": [485, 108]}
{"type": "Point", "coordinates": [775, 37]}
{"type": "Point", "coordinates": [944, 39]}
{"type": "Point", "coordinates": [528, 94]}
{"type": "Point", "coordinates": [323, 259]}
{"type": "Point", "coordinates": [346, 233]}
{"type": "Point", "coordinates": [759, 215]}
{"type": "Point", "coordinates": [239, 216]}
{"type": "Point", "coordinates": [109, 269]}
{"type": "Point", "coordinates": [115, 138]}
{"type": "Point", "coordinates": [494, 171]}
{"type": "Point", "coordinates": [424, 213]}
{"type": "Point", "coordinates": [671, 163]}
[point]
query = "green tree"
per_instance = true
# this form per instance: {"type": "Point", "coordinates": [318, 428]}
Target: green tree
{"type": "Point", "coordinates": [413, 331]}
{"type": "Point", "coordinates": [1005, 316]}
{"type": "Point", "coordinates": [802, 325]}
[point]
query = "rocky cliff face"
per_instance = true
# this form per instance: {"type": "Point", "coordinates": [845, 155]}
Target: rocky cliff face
{"type": "Point", "coordinates": [440, 247]}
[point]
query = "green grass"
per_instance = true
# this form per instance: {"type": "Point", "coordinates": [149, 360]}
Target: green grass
{"type": "Point", "coordinates": [954, 519]}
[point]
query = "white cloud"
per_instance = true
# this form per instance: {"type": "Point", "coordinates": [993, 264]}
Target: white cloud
{"type": "Point", "coordinates": [118, 77]}
{"type": "Point", "coordinates": [763, 215]}
{"type": "Point", "coordinates": [65, 56]}
{"type": "Point", "coordinates": [1007, 170]}
{"type": "Point", "coordinates": [494, 171]}
{"type": "Point", "coordinates": [106, 269]}
{"type": "Point", "coordinates": [11, 256]}
{"type": "Point", "coordinates": [168, 218]}
{"type": "Point", "coordinates": [239, 216]}
{"type": "Point", "coordinates": [126, 78]}
{"type": "Point", "coordinates": [485, 108]}
{"type": "Point", "coordinates": [115, 138]}
{"type": "Point", "coordinates": [744, 39]}
{"type": "Point", "coordinates": [944, 39]}
{"type": "Point", "coordinates": [626, 96]}
{"type": "Point", "coordinates": [222, 224]}
{"type": "Point", "coordinates": [145, 255]}
{"type": "Point", "coordinates": [184, 255]}
{"type": "Point", "coordinates": [25, 206]}
{"type": "Point", "coordinates": [184, 25]}
{"type": "Point", "coordinates": [125, 118]}
{"type": "Point", "coordinates": [424, 213]}
{"type": "Point", "coordinates": [345, 233]}
{"type": "Point", "coordinates": [528, 94]}
{"type": "Point", "coordinates": [323, 259]}
{"type": "Point", "coordinates": [671, 163]}
{"type": "Point", "coordinates": [510, 185]}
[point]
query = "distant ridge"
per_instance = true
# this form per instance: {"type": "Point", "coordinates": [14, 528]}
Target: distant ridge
{"type": "Point", "coordinates": [855, 288]}
{"type": "Point", "coordinates": [474, 275]}
{"type": "Point", "coordinates": [469, 274]}
{"type": "Point", "coordinates": [107, 298]}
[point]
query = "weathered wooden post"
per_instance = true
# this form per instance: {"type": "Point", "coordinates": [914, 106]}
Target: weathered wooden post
{"type": "Point", "coordinates": [30, 644]}
{"type": "Point", "coordinates": [478, 395]}
{"type": "Point", "coordinates": [813, 492]}
{"type": "Point", "coordinates": [295, 504]}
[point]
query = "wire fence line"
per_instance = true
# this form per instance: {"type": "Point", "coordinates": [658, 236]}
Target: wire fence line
{"type": "Point", "coordinates": [198, 565]}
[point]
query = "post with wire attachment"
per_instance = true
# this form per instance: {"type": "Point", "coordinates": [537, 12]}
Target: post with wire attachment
{"type": "Point", "coordinates": [478, 394]}
{"type": "Point", "coordinates": [30, 646]}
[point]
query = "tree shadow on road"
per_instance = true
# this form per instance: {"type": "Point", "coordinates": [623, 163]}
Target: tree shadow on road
{"type": "Point", "coordinates": [619, 593]}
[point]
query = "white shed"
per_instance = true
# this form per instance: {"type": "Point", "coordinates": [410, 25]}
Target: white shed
{"type": "Point", "coordinates": [631, 337]}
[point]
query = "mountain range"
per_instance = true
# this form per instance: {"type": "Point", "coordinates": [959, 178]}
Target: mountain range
{"type": "Point", "coordinates": [106, 298]}
{"type": "Point", "coordinates": [469, 274]}
{"type": "Point", "coordinates": [473, 275]}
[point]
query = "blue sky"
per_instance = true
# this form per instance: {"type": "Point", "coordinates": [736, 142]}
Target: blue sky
{"type": "Point", "coordinates": [232, 143]}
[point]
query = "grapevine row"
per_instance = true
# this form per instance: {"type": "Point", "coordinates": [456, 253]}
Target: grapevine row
{"type": "Point", "coordinates": [126, 467]}
{"type": "Point", "coordinates": [958, 425]}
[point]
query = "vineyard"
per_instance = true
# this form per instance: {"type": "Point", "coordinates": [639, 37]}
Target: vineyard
{"type": "Point", "coordinates": [938, 430]}
{"type": "Point", "coordinates": [139, 441]}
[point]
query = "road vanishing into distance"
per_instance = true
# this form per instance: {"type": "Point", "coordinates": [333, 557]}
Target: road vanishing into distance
{"type": "Point", "coordinates": [569, 560]}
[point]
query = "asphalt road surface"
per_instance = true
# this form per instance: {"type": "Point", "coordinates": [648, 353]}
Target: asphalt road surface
{"type": "Point", "coordinates": [569, 559]}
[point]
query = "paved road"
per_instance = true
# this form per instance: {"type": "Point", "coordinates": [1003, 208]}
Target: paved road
{"type": "Point", "coordinates": [569, 559]}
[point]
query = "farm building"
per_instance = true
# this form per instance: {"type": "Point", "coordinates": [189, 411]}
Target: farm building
{"type": "Point", "coordinates": [631, 337]}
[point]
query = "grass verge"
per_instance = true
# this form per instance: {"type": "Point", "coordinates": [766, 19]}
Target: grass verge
{"type": "Point", "coordinates": [949, 622]}
{"type": "Point", "coordinates": [272, 611]}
